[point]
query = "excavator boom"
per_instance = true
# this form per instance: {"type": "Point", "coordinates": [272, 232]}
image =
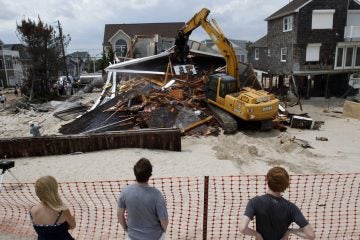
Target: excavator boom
{"type": "Point", "coordinates": [216, 35]}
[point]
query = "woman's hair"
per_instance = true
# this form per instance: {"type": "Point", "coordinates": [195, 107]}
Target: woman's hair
{"type": "Point", "coordinates": [277, 179]}
{"type": "Point", "coordinates": [143, 170]}
{"type": "Point", "coordinates": [46, 189]}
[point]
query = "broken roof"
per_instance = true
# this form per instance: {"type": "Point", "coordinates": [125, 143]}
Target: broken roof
{"type": "Point", "coordinates": [156, 64]}
{"type": "Point", "coordinates": [168, 29]}
{"type": "Point", "coordinates": [288, 9]}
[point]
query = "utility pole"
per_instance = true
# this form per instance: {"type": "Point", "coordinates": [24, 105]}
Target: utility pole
{"type": "Point", "coordinates": [4, 63]}
{"type": "Point", "coordinates": [63, 51]}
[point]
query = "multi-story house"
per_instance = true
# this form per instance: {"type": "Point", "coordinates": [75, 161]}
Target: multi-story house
{"type": "Point", "coordinates": [317, 42]}
{"type": "Point", "coordinates": [77, 63]}
{"type": "Point", "coordinates": [238, 45]}
{"type": "Point", "coordinates": [140, 39]}
{"type": "Point", "coordinates": [11, 68]}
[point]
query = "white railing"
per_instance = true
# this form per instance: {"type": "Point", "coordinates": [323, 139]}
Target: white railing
{"type": "Point", "coordinates": [352, 32]}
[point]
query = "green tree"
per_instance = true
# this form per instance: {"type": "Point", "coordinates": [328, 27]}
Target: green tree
{"type": "Point", "coordinates": [44, 47]}
{"type": "Point", "coordinates": [107, 57]}
{"type": "Point", "coordinates": [248, 48]}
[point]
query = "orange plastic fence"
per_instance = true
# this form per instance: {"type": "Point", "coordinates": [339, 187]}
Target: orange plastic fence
{"type": "Point", "coordinates": [331, 203]}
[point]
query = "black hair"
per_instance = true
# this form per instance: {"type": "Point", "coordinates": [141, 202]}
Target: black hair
{"type": "Point", "coordinates": [143, 170]}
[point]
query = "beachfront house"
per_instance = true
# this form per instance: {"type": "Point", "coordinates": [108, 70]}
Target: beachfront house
{"type": "Point", "coordinates": [315, 42]}
{"type": "Point", "coordinates": [12, 59]}
{"type": "Point", "coordinates": [140, 39]}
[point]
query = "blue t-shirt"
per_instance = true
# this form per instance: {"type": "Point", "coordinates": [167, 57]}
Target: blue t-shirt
{"type": "Point", "coordinates": [145, 207]}
{"type": "Point", "coordinates": [274, 215]}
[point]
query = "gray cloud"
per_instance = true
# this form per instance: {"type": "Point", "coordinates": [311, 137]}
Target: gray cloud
{"type": "Point", "coordinates": [84, 20]}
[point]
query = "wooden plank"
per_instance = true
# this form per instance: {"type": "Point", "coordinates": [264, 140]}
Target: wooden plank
{"type": "Point", "coordinates": [196, 124]}
{"type": "Point", "coordinates": [164, 139]}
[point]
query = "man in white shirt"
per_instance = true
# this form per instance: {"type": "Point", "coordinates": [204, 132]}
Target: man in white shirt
{"type": "Point", "coordinates": [3, 100]}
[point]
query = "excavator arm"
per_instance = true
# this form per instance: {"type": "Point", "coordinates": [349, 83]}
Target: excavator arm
{"type": "Point", "coordinates": [215, 34]}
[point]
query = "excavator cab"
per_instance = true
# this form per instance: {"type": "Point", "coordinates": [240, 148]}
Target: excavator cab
{"type": "Point", "coordinates": [219, 85]}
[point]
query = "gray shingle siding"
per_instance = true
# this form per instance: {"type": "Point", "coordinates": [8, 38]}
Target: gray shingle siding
{"type": "Point", "coordinates": [278, 39]}
{"type": "Point", "coordinates": [262, 63]}
{"type": "Point", "coordinates": [308, 35]}
{"type": "Point", "coordinates": [302, 34]}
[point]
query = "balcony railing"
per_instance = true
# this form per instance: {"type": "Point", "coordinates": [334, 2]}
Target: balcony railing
{"type": "Point", "coordinates": [352, 33]}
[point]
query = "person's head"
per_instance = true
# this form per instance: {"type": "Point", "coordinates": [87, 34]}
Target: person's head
{"type": "Point", "coordinates": [46, 189]}
{"type": "Point", "coordinates": [277, 179]}
{"type": "Point", "coordinates": [142, 170]}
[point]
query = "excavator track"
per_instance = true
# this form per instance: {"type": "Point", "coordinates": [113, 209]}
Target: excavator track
{"type": "Point", "coordinates": [225, 119]}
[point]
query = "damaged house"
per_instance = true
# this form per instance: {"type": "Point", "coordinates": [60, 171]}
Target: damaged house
{"type": "Point", "coordinates": [140, 39]}
{"type": "Point", "coordinates": [314, 42]}
{"type": "Point", "coordinates": [172, 89]}
{"type": "Point", "coordinates": [150, 92]}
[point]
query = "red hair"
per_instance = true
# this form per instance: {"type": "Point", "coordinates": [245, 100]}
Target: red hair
{"type": "Point", "coordinates": [277, 179]}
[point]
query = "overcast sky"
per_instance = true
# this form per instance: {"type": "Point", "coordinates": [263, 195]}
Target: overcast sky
{"type": "Point", "coordinates": [85, 20]}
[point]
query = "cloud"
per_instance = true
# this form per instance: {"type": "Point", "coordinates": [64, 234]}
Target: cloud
{"type": "Point", "coordinates": [6, 13]}
{"type": "Point", "coordinates": [85, 20]}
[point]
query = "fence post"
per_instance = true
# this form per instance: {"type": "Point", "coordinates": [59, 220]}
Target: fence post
{"type": "Point", "coordinates": [206, 200]}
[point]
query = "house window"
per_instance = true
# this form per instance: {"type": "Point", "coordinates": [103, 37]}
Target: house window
{"type": "Point", "coordinates": [256, 54]}
{"type": "Point", "coordinates": [283, 54]}
{"type": "Point", "coordinates": [349, 56]}
{"type": "Point", "coordinates": [313, 52]}
{"type": "Point", "coordinates": [8, 64]}
{"type": "Point", "coordinates": [241, 58]}
{"type": "Point", "coordinates": [353, 17]}
{"type": "Point", "coordinates": [322, 19]}
{"type": "Point", "coordinates": [287, 23]}
{"type": "Point", "coordinates": [121, 48]}
{"type": "Point", "coordinates": [268, 52]}
{"type": "Point", "coordinates": [339, 57]}
{"type": "Point", "coordinates": [357, 57]}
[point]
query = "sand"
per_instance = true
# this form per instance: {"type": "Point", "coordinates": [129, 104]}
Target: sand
{"type": "Point", "coordinates": [247, 152]}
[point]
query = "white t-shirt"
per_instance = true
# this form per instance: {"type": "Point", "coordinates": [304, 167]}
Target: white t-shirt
{"type": "Point", "coordinates": [2, 98]}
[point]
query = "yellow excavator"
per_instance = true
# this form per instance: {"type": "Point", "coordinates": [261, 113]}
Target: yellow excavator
{"type": "Point", "coordinates": [226, 94]}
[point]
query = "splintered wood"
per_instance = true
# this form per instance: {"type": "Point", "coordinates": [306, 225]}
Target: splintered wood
{"type": "Point", "coordinates": [179, 103]}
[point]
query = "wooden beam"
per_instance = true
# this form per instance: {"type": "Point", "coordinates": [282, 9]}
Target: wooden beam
{"type": "Point", "coordinates": [196, 124]}
{"type": "Point", "coordinates": [164, 139]}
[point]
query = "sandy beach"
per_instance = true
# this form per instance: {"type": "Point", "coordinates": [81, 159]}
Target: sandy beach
{"type": "Point", "coordinates": [244, 153]}
{"type": "Point", "coordinates": [247, 152]}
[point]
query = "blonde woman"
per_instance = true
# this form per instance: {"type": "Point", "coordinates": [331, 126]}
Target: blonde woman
{"type": "Point", "coordinates": [51, 218]}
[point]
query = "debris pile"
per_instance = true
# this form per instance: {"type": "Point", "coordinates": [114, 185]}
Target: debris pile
{"type": "Point", "coordinates": [144, 103]}
{"type": "Point", "coordinates": [301, 121]}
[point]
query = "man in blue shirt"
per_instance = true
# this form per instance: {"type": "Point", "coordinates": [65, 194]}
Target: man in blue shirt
{"type": "Point", "coordinates": [147, 216]}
